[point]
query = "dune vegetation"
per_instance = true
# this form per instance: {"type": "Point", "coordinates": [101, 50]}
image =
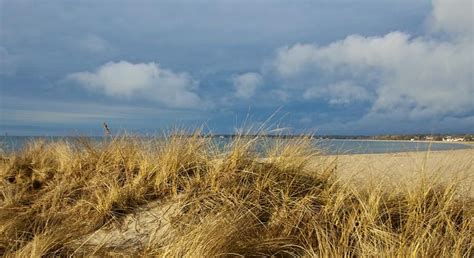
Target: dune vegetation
{"type": "Point", "coordinates": [187, 196]}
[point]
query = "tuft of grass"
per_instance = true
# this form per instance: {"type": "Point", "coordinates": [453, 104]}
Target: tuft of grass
{"type": "Point", "coordinates": [184, 195]}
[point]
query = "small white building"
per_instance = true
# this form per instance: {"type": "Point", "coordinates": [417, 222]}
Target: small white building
{"type": "Point", "coordinates": [453, 139]}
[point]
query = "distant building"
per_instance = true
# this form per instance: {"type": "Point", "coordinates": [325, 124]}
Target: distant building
{"type": "Point", "coordinates": [429, 138]}
{"type": "Point", "coordinates": [453, 139]}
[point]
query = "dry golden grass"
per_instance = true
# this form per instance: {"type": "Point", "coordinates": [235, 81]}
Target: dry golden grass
{"type": "Point", "coordinates": [409, 169]}
{"type": "Point", "coordinates": [184, 196]}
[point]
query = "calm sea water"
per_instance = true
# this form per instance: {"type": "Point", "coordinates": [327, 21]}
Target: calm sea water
{"type": "Point", "coordinates": [331, 146]}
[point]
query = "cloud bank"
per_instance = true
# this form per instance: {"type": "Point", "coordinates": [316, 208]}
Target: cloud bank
{"type": "Point", "coordinates": [343, 92]}
{"type": "Point", "coordinates": [455, 17]}
{"type": "Point", "coordinates": [144, 81]}
{"type": "Point", "coordinates": [420, 77]}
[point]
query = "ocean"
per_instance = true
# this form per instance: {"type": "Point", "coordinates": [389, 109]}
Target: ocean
{"type": "Point", "coordinates": [330, 146]}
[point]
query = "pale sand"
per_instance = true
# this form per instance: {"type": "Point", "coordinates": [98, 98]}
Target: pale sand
{"type": "Point", "coordinates": [406, 168]}
{"type": "Point", "coordinates": [387, 170]}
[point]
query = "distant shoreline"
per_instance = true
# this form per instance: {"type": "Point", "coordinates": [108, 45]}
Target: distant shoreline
{"type": "Point", "coordinates": [338, 146]}
{"type": "Point", "coordinates": [423, 141]}
{"type": "Point", "coordinates": [408, 152]}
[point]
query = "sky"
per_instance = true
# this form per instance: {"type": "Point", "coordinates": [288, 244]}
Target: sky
{"type": "Point", "coordinates": [325, 66]}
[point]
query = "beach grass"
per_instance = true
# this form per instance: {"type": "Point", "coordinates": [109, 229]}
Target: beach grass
{"type": "Point", "coordinates": [186, 196]}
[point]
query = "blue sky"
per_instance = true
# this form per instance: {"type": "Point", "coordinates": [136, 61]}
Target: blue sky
{"type": "Point", "coordinates": [330, 67]}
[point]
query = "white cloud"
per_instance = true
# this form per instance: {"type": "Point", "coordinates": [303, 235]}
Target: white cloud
{"type": "Point", "coordinates": [291, 61]}
{"type": "Point", "coordinates": [142, 80]}
{"type": "Point", "coordinates": [343, 92]}
{"type": "Point", "coordinates": [453, 16]}
{"type": "Point", "coordinates": [246, 84]}
{"type": "Point", "coordinates": [421, 76]}
{"type": "Point", "coordinates": [94, 43]}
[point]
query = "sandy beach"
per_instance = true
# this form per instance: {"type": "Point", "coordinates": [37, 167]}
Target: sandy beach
{"type": "Point", "coordinates": [124, 198]}
{"type": "Point", "coordinates": [405, 168]}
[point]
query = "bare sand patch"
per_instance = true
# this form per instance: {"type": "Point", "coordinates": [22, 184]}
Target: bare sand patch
{"type": "Point", "coordinates": [404, 169]}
